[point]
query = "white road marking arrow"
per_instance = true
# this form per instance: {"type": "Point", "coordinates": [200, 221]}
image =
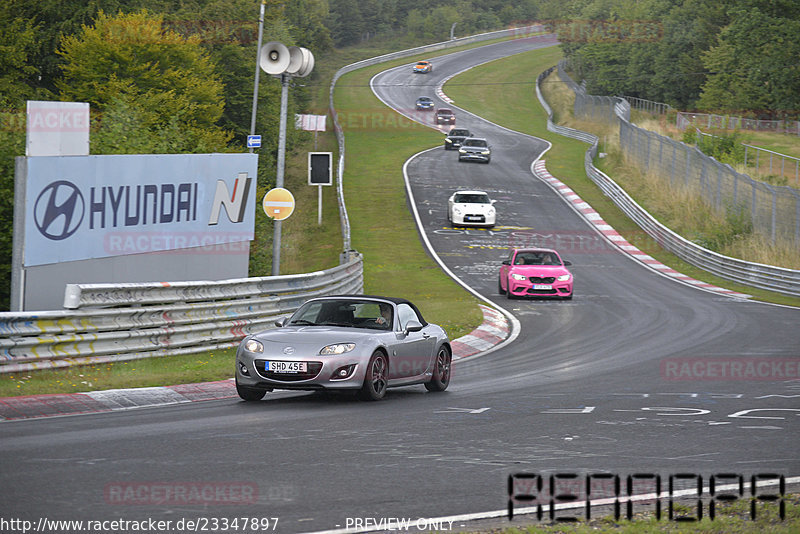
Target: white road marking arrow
{"type": "Point", "coordinates": [588, 409]}
{"type": "Point", "coordinates": [463, 410]}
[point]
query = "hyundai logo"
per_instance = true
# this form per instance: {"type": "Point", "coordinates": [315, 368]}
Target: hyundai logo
{"type": "Point", "coordinates": [59, 210]}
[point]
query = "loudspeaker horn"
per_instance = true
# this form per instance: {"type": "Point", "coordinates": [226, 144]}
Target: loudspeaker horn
{"type": "Point", "coordinates": [296, 59]}
{"type": "Point", "coordinates": [308, 63]}
{"type": "Point", "coordinates": [274, 58]}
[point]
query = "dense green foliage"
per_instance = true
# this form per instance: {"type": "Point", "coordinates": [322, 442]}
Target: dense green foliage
{"type": "Point", "coordinates": [738, 55]}
{"type": "Point", "coordinates": [169, 76]}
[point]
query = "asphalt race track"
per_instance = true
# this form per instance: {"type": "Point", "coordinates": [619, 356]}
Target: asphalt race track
{"type": "Point", "coordinates": [592, 385]}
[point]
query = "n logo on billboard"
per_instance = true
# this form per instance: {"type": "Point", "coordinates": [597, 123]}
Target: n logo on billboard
{"type": "Point", "coordinates": [235, 204]}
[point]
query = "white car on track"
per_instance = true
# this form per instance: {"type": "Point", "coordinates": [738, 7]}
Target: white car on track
{"type": "Point", "coordinates": [471, 208]}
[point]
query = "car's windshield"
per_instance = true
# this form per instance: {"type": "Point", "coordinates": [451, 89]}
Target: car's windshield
{"type": "Point", "coordinates": [475, 142]}
{"type": "Point", "coordinates": [472, 198]}
{"type": "Point", "coordinates": [459, 132]}
{"type": "Point", "coordinates": [345, 312]}
{"type": "Point", "coordinates": [536, 258]}
{"type": "Point", "coordinates": [445, 112]}
{"type": "Point", "coordinates": [424, 99]}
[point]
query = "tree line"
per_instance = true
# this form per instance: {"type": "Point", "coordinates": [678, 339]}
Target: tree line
{"type": "Point", "coordinates": [739, 56]}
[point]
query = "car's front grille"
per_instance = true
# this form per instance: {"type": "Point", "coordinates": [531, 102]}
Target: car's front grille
{"type": "Point", "coordinates": [312, 370]}
{"type": "Point", "coordinates": [532, 291]}
{"type": "Point", "coordinates": [542, 279]}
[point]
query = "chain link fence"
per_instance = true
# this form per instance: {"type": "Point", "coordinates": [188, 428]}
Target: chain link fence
{"type": "Point", "coordinates": [773, 210]}
{"type": "Point", "coordinates": [708, 121]}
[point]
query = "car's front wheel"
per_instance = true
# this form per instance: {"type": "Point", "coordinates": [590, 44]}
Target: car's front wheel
{"type": "Point", "coordinates": [441, 371]}
{"type": "Point", "coordinates": [500, 286]}
{"type": "Point", "coordinates": [250, 394]}
{"type": "Point", "coordinates": [376, 378]}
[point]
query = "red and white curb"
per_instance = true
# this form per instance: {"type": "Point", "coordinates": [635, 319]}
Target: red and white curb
{"type": "Point", "coordinates": [594, 218]}
{"type": "Point", "coordinates": [35, 406]}
{"type": "Point", "coordinates": [491, 332]}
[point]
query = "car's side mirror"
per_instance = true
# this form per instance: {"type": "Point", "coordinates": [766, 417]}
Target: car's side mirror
{"type": "Point", "coordinates": [506, 262]}
{"type": "Point", "coordinates": [567, 263]}
{"type": "Point", "coordinates": [412, 326]}
{"type": "Point", "coordinates": [281, 322]}
{"type": "Point", "coordinates": [494, 200]}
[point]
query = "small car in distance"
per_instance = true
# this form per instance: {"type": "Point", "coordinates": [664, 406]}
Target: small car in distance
{"type": "Point", "coordinates": [471, 208]}
{"type": "Point", "coordinates": [475, 149]}
{"type": "Point", "coordinates": [455, 138]}
{"type": "Point", "coordinates": [538, 272]}
{"type": "Point", "coordinates": [359, 343]}
{"type": "Point", "coordinates": [424, 103]}
{"type": "Point", "coordinates": [445, 116]}
{"type": "Point", "coordinates": [422, 67]}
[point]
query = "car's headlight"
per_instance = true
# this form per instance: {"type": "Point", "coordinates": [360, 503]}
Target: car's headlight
{"type": "Point", "coordinates": [485, 152]}
{"type": "Point", "coordinates": [252, 345]}
{"type": "Point", "coordinates": [337, 348]}
{"type": "Point", "coordinates": [461, 151]}
{"type": "Point", "coordinates": [448, 140]}
{"type": "Point", "coordinates": [516, 276]}
{"type": "Point", "coordinates": [563, 278]}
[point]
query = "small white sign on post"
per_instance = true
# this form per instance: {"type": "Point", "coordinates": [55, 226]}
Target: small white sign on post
{"type": "Point", "coordinates": [310, 123]}
{"type": "Point", "coordinates": [57, 128]}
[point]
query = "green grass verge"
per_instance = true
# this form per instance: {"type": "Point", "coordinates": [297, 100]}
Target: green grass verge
{"type": "Point", "coordinates": [515, 106]}
{"type": "Point", "coordinates": [145, 372]}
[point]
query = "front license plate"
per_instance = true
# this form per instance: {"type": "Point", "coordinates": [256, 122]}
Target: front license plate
{"type": "Point", "coordinates": [542, 286]}
{"type": "Point", "coordinates": [286, 367]}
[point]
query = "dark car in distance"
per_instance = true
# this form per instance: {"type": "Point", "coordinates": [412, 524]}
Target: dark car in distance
{"type": "Point", "coordinates": [475, 149]}
{"type": "Point", "coordinates": [455, 138]}
{"type": "Point", "coordinates": [425, 103]}
{"type": "Point", "coordinates": [445, 116]}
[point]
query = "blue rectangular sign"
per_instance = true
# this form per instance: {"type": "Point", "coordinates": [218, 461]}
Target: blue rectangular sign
{"type": "Point", "coordinates": [253, 141]}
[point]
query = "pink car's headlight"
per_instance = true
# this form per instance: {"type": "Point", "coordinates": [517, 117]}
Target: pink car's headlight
{"type": "Point", "coordinates": [563, 277]}
{"type": "Point", "coordinates": [516, 276]}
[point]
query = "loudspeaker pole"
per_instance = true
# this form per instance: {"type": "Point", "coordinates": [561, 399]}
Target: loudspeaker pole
{"type": "Point", "coordinates": [278, 60]}
{"type": "Point", "coordinates": [276, 236]}
{"type": "Point", "coordinates": [258, 70]}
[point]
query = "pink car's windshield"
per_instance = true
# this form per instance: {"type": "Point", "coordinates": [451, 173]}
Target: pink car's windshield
{"type": "Point", "coordinates": [536, 258]}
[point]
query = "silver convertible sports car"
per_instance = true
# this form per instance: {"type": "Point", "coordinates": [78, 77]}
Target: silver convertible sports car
{"type": "Point", "coordinates": [353, 342]}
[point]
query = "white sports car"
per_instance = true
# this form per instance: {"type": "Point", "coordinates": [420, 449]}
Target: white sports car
{"type": "Point", "coordinates": [471, 208]}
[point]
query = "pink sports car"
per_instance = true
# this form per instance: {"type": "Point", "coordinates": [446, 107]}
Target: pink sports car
{"type": "Point", "coordinates": [538, 272]}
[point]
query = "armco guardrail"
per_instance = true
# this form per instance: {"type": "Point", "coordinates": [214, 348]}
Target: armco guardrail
{"type": "Point", "coordinates": [521, 32]}
{"type": "Point", "coordinates": [786, 281]}
{"type": "Point", "coordinates": [116, 322]}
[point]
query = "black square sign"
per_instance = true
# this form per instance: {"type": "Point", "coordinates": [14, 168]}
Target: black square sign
{"type": "Point", "coordinates": [320, 169]}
